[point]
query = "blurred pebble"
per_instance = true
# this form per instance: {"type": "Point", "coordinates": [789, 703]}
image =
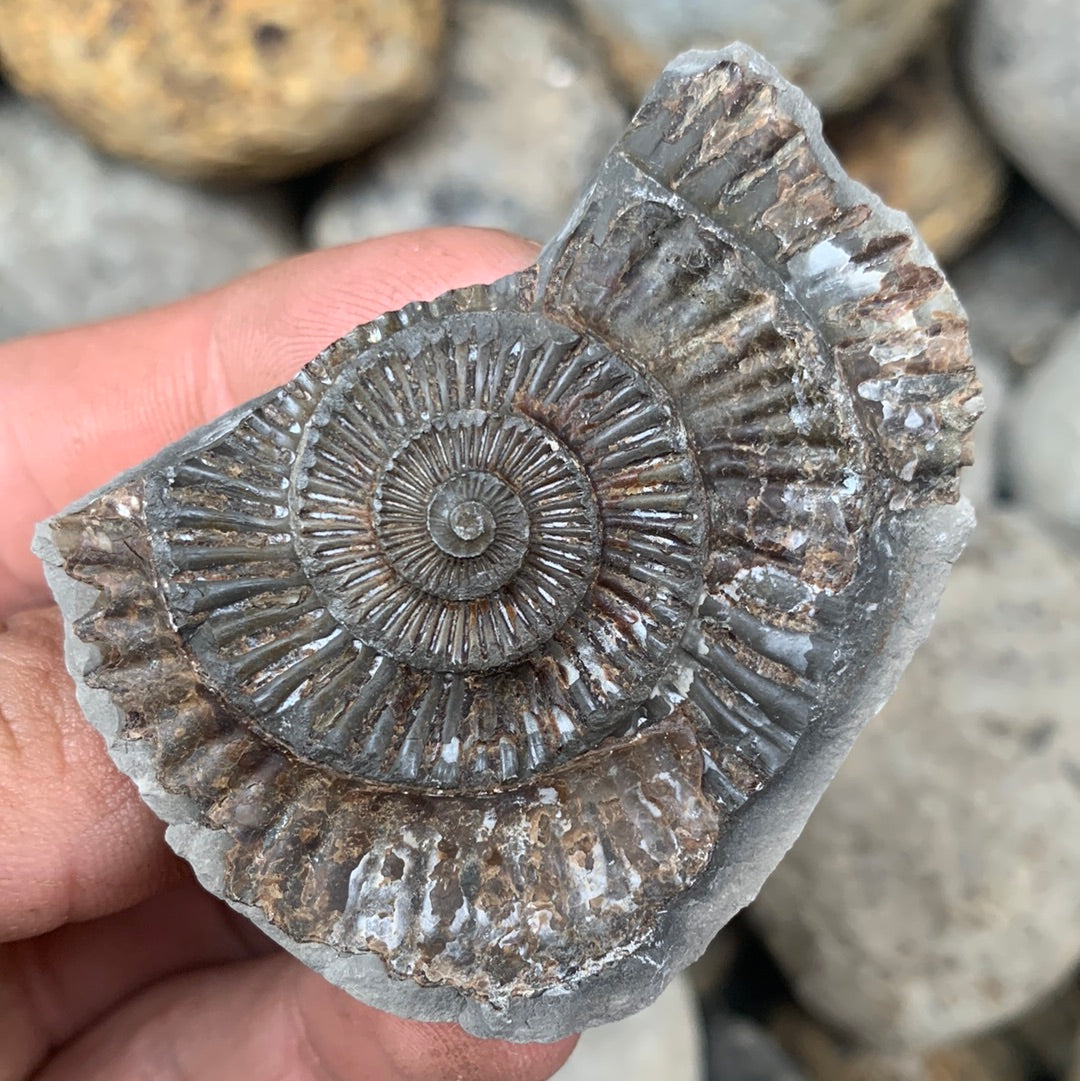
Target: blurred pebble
{"type": "Point", "coordinates": [83, 237]}
{"type": "Point", "coordinates": [1022, 282]}
{"type": "Point", "coordinates": [826, 1057]}
{"type": "Point", "coordinates": [1024, 68]}
{"type": "Point", "coordinates": [839, 51]}
{"type": "Point", "coordinates": [740, 1050]}
{"type": "Point", "coordinates": [249, 89]}
{"type": "Point", "coordinates": [520, 125]}
{"type": "Point", "coordinates": [918, 147]}
{"type": "Point", "coordinates": [663, 1041]}
{"type": "Point", "coordinates": [933, 892]}
{"type": "Point", "coordinates": [1044, 440]}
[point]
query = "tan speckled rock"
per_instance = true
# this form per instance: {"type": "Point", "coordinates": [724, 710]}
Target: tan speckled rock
{"type": "Point", "coordinates": [918, 147]}
{"type": "Point", "coordinates": [839, 51]}
{"type": "Point", "coordinates": [248, 89]}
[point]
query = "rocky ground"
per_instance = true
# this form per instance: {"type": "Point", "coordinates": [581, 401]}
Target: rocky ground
{"type": "Point", "coordinates": [926, 927]}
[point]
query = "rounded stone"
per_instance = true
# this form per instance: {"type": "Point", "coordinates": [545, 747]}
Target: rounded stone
{"type": "Point", "coordinates": [242, 89]}
{"type": "Point", "coordinates": [1025, 75]}
{"type": "Point", "coordinates": [919, 148]}
{"type": "Point", "coordinates": [840, 53]}
{"type": "Point", "coordinates": [85, 237]}
{"type": "Point", "coordinates": [1044, 440]}
{"type": "Point", "coordinates": [521, 121]}
{"type": "Point", "coordinates": [1021, 283]}
{"type": "Point", "coordinates": [933, 894]}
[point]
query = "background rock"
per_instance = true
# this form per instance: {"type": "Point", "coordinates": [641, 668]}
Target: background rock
{"type": "Point", "coordinates": [1045, 437]}
{"type": "Point", "coordinates": [523, 119]}
{"type": "Point", "coordinates": [917, 146]}
{"type": "Point", "coordinates": [933, 893]}
{"type": "Point", "coordinates": [1022, 282]}
{"type": "Point", "coordinates": [84, 237]}
{"type": "Point", "coordinates": [663, 1041]}
{"type": "Point", "coordinates": [826, 1057]}
{"type": "Point", "coordinates": [839, 51]}
{"type": "Point", "coordinates": [234, 88]}
{"type": "Point", "coordinates": [1024, 68]}
{"type": "Point", "coordinates": [740, 1050]}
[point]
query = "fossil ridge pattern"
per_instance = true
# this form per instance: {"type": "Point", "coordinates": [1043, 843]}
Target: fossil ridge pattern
{"type": "Point", "coordinates": [493, 661]}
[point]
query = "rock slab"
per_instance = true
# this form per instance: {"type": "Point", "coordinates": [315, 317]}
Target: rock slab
{"type": "Point", "coordinates": [239, 89]}
{"type": "Point", "coordinates": [510, 152]}
{"type": "Point", "coordinates": [933, 892]}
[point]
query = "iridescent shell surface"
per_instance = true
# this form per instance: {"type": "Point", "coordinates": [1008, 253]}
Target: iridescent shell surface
{"type": "Point", "coordinates": [493, 662]}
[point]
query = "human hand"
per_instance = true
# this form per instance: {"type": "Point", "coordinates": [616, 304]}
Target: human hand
{"type": "Point", "coordinates": [114, 963]}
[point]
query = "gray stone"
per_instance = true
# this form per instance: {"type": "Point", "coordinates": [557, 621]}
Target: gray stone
{"type": "Point", "coordinates": [740, 1050]}
{"type": "Point", "coordinates": [1044, 443]}
{"type": "Point", "coordinates": [663, 1041]}
{"type": "Point", "coordinates": [523, 119]}
{"type": "Point", "coordinates": [653, 763]}
{"type": "Point", "coordinates": [933, 893]}
{"type": "Point", "coordinates": [1022, 282]}
{"type": "Point", "coordinates": [1024, 70]}
{"type": "Point", "coordinates": [840, 53]}
{"type": "Point", "coordinates": [84, 237]}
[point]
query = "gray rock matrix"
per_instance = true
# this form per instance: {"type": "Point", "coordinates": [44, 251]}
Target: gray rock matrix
{"type": "Point", "coordinates": [839, 266]}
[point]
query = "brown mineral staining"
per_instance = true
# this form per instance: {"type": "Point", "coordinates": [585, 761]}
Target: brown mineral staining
{"type": "Point", "coordinates": [230, 89]}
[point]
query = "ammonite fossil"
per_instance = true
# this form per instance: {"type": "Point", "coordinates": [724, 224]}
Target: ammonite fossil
{"type": "Point", "coordinates": [492, 663]}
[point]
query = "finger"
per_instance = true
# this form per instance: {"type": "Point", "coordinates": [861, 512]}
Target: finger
{"type": "Point", "coordinates": [272, 1017]}
{"type": "Point", "coordinates": [81, 405]}
{"type": "Point", "coordinates": [54, 985]}
{"type": "Point", "coordinates": [75, 839]}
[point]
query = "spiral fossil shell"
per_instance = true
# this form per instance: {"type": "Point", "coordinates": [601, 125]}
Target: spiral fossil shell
{"type": "Point", "coordinates": [493, 661]}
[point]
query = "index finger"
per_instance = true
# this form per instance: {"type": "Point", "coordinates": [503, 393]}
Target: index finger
{"type": "Point", "coordinates": [83, 404]}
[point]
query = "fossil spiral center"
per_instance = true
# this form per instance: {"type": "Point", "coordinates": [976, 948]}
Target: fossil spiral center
{"type": "Point", "coordinates": [485, 532]}
{"type": "Point", "coordinates": [470, 521]}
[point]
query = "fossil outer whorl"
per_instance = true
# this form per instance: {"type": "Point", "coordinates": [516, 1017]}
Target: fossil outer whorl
{"type": "Point", "coordinates": [493, 661]}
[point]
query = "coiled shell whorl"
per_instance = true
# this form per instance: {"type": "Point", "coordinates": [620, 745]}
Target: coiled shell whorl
{"type": "Point", "coordinates": [492, 662]}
